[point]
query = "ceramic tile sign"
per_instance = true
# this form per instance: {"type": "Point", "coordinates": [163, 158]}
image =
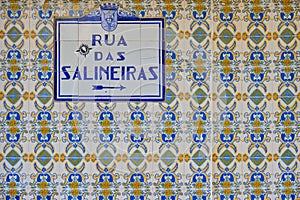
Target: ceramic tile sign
{"type": "Point", "coordinates": [109, 55]}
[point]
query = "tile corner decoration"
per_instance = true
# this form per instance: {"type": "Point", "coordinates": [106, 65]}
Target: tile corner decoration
{"type": "Point", "coordinates": [156, 99]}
{"type": "Point", "coordinates": [110, 55]}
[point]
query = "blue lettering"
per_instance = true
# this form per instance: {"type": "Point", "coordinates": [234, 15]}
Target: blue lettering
{"type": "Point", "coordinates": [113, 72]}
{"type": "Point", "coordinates": [65, 71]}
{"type": "Point", "coordinates": [96, 73]}
{"type": "Point", "coordinates": [105, 71]}
{"type": "Point", "coordinates": [109, 57]}
{"type": "Point", "coordinates": [96, 38]}
{"type": "Point", "coordinates": [153, 73]}
{"type": "Point", "coordinates": [123, 72]}
{"type": "Point", "coordinates": [98, 56]}
{"type": "Point", "coordinates": [129, 72]}
{"type": "Point", "coordinates": [142, 74]}
{"type": "Point", "coordinates": [77, 74]}
{"type": "Point", "coordinates": [106, 40]}
{"type": "Point", "coordinates": [121, 56]}
{"type": "Point", "coordinates": [122, 41]}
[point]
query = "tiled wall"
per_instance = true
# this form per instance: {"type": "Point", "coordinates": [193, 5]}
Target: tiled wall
{"type": "Point", "coordinates": [228, 129]}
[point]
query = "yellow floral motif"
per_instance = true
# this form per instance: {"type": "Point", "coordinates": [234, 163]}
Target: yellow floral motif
{"type": "Point", "coordinates": [226, 70]}
{"type": "Point", "coordinates": [257, 70]}
{"type": "Point", "coordinates": [286, 62]}
{"type": "Point", "coordinates": [105, 184]}
{"type": "Point", "coordinates": [225, 63]}
{"type": "Point", "coordinates": [74, 185]}
{"type": "Point", "coordinates": [137, 122]}
{"type": "Point", "coordinates": [258, 192]}
{"type": "Point", "coordinates": [199, 8]}
{"type": "Point", "coordinates": [106, 193]}
{"type": "Point", "coordinates": [75, 130]}
{"type": "Point", "coordinates": [198, 185]}
{"type": "Point", "coordinates": [168, 123]}
{"type": "Point", "coordinates": [256, 184]}
{"type": "Point", "coordinates": [288, 9]}
{"type": "Point", "coordinates": [288, 191]}
{"type": "Point", "coordinates": [74, 123]}
{"type": "Point", "coordinates": [287, 183]}
{"type": "Point", "coordinates": [256, 63]}
{"type": "Point", "coordinates": [13, 192]}
{"type": "Point", "coordinates": [105, 122]}
{"type": "Point", "coordinates": [257, 130]}
{"type": "Point", "coordinates": [199, 192]}
{"type": "Point", "coordinates": [226, 184]}
{"type": "Point", "coordinates": [287, 123]}
{"type": "Point", "coordinates": [199, 123]}
{"type": "Point", "coordinates": [227, 131]}
{"type": "Point", "coordinates": [257, 9]}
{"type": "Point", "coordinates": [12, 123]}
{"type": "Point", "coordinates": [14, 68]}
{"type": "Point", "coordinates": [45, 130]}
{"type": "Point", "coordinates": [45, 68]}
{"type": "Point", "coordinates": [43, 185]}
{"type": "Point", "coordinates": [106, 130]}
{"type": "Point", "coordinates": [256, 123]}
{"type": "Point", "coordinates": [13, 130]}
{"type": "Point", "coordinates": [226, 123]}
{"type": "Point", "coordinates": [75, 192]}
{"type": "Point", "coordinates": [200, 130]}
{"type": "Point", "coordinates": [137, 192]}
{"type": "Point", "coordinates": [288, 130]}
{"type": "Point", "coordinates": [169, 131]}
{"type": "Point", "coordinates": [44, 61]}
{"type": "Point", "coordinates": [136, 185]}
{"type": "Point", "coordinates": [44, 123]}
{"type": "Point", "coordinates": [138, 130]}
{"type": "Point", "coordinates": [167, 185]}
{"type": "Point", "coordinates": [44, 192]}
{"type": "Point", "coordinates": [287, 70]}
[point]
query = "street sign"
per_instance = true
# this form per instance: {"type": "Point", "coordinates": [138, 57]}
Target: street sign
{"type": "Point", "coordinates": [109, 55]}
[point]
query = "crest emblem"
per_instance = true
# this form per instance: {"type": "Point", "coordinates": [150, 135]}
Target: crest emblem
{"type": "Point", "coordinates": [109, 17]}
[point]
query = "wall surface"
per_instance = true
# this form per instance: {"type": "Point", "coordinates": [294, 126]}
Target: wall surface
{"type": "Point", "coordinates": [228, 128]}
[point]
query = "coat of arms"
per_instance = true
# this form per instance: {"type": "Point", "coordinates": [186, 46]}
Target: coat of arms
{"type": "Point", "coordinates": [109, 17]}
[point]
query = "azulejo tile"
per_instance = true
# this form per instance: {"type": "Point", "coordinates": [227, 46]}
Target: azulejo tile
{"type": "Point", "coordinates": [227, 129]}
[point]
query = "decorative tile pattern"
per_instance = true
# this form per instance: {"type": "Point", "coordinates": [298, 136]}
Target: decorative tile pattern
{"type": "Point", "coordinates": [228, 129]}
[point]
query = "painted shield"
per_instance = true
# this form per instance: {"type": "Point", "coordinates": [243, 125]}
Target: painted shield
{"type": "Point", "coordinates": [109, 20]}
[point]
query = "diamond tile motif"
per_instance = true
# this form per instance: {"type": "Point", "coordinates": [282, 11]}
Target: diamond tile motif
{"type": "Point", "coordinates": [13, 95]}
{"type": "Point", "coordinates": [287, 96]}
{"type": "Point", "coordinates": [287, 35]}
{"type": "Point", "coordinates": [226, 36]}
{"type": "Point", "coordinates": [13, 157]}
{"type": "Point", "coordinates": [14, 34]}
{"type": "Point", "coordinates": [45, 34]}
{"type": "Point", "coordinates": [199, 158]}
{"type": "Point", "coordinates": [256, 36]}
{"type": "Point", "coordinates": [200, 96]}
{"type": "Point", "coordinates": [168, 158]}
{"type": "Point", "coordinates": [226, 96]}
{"type": "Point", "coordinates": [75, 157]}
{"type": "Point", "coordinates": [256, 96]}
{"type": "Point", "coordinates": [199, 35]}
{"type": "Point", "coordinates": [44, 157]}
{"type": "Point", "coordinates": [257, 157]}
{"type": "Point", "coordinates": [44, 96]}
{"type": "Point", "coordinates": [106, 157]}
{"type": "Point", "coordinates": [288, 157]}
{"type": "Point", "coordinates": [226, 157]}
{"type": "Point", "coordinates": [137, 158]}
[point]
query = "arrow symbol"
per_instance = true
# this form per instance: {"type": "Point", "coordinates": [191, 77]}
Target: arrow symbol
{"type": "Point", "coordinates": [101, 87]}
